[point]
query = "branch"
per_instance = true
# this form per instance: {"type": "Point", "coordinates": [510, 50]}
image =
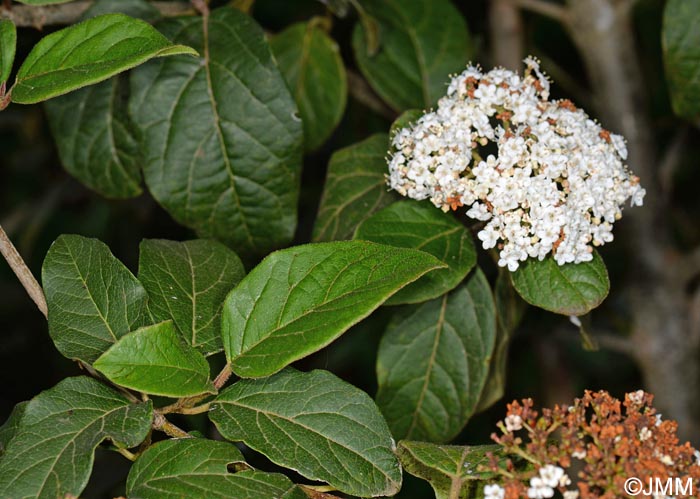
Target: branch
{"type": "Point", "coordinates": [50, 15]}
{"type": "Point", "coordinates": [162, 424]}
{"type": "Point", "coordinates": [545, 8]}
{"type": "Point", "coordinates": [506, 34]}
{"type": "Point", "coordinates": [25, 276]}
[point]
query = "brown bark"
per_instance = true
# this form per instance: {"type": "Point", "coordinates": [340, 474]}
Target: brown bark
{"type": "Point", "coordinates": [663, 345]}
{"type": "Point", "coordinates": [69, 13]}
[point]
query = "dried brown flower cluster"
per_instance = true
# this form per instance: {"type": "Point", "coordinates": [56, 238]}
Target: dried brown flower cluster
{"type": "Point", "coordinates": [601, 441]}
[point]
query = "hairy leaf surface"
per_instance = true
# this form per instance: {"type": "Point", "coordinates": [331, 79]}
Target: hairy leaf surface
{"type": "Point", "coordinates": [188, 282]}
{"type": "Point", "coordinates": [155, 360]}
{"type": "Point", "coordinates": [681, 46]}
{"type": "Point", "coordinates": [88, 53]}
{"type": "Point", "coordinates": [221, 135]}
{"type": "Point", "coordinates": [310, 62]}
{"type": "Point", "coordinates": [316, 424]}
{"type": "Point", "coordinates": [570, 289]}
{"type": "Point", "coordinates": [418, 225]}
{"type": "Point", "coordinates": [95, 140]}
{"type": "Point", "coordinates": [300, 299]}
{"type": "Point", "coordinates": [453, 471]}
{"type": "Point", "coordinates": [53, 449]}
{"type": "Point", "coordinates": [355, 188]}
{"type": "Point", "coordinates": [433, 362]}
{"type": "Point", "coordinates": [8, 45]}
{"type": "Point", "coordinates": [196, 468]}
{"type": "Point", "coordinates": [92, 297]}
{"type": "Point", "coordinates": [10, 426]}
{"type": "Point", "coordinates": [422, 42]}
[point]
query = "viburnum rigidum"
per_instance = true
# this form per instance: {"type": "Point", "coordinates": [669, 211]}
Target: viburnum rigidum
{"type": "Point", "coordinates": [545, 177]}
{"type": "Point", "coordinates": [589, 450]}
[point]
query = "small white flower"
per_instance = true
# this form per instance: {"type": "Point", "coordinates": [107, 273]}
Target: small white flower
{"type": "Point", "coordinates": [514, 422]}
{"type": "Point", "coordinates": [666, 459]}
{"type": "Point", "coordinates": [644, 434]}
{"type": "Point", "coordinates": [579, 454]}
{"type": "Point", "coordinates": [571, 494]}
{"type": "Point", "coordinates": [658, 420]}
{"type": "Point", "coordinates": [556, 185]}
{"type": "Point", "coordinates": [494, 492]}
{"type": "Point", "coordinates": [697, 457]}
{"type": "Point", "coordinates": [636, 397]}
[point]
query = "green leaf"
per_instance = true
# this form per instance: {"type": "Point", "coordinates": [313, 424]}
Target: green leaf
{"type": "Point", "coordinates": [300, 299]}
{"type": "Point", "coordinates": [52, 452]}
{"type": "Point", "coordinates": [570, 289]}
{"type": "Point", "coordinates": [91, 127]}
{"type": "Point", "coordinates": [196, 468]}
{"type": "Point", "coordinates": [453, 471]}
{"type": "Point", "coordinates": [355, 188]}
{"type": "Point", "coordinates": [8, 44]}
{"type": "Point", "coordinates": [155, 360]}
{"type": "Point", "coordinates": [422, 43]}
{"type": "Point", "coordinates": [681, 47]}
{"type": "Point", "coordinates": [406, 119]}
{"type": "Point", "coordinates": [433, 361]}
{"type": "Point", "coordinates": [95, 140]}
{"type": "Point", "coordinates": [88, 53]}
{"type": "Point", "coordinates": [421, 226]}
{"type": "Point", "coordinates": [316, 424]}
{"type": "Point", "coordinates": [310, 62]}
{"type": "Point", "coordinates": [188, 282]}
{"type": "Point", "coordinates": [510, 309]}
{"type": "Point", "coordinates": [92, 297]}
{"type": "Point", "coordinates": [221, 134]}
{"type": "Point", "coordinates": [11, 425]}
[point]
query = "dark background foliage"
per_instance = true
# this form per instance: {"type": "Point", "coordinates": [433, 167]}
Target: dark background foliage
{"type": "Point", "coordinates": [548, 360]}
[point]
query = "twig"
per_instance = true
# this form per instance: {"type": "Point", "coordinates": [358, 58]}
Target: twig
{"type": "Point", "coordinates": [360, 90]}
{"type": "Point", "coordinates": [25, 276]}
{"type": "Point", "coordinates": [162, 424]}
{"type": "Point", "coordinates": [506, 27]}
{"type": "Point", "coordinates": [545, 8]}
{"type": "Point", "coordinates": [51, 15]}
{"type": "Point", "coordinates": [126, 453]}
{"type": "Point", "coordinates": [223, 377]}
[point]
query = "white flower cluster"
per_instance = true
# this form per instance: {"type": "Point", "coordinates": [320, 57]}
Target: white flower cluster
{"type": "Point", "coordinates": [552, 181]}
{"type": "Point", "coordinates": [551, 477]}
{"type": "Point", "coordinates": [494, 492]}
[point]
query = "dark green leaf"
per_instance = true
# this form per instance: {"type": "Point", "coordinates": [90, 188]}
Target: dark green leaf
{"type": "Point", "coordinates": [88, 53]}
{"type": "Point", "coordinates": [355, 188]}
{"type": "Point", "coordinates": [509, 311]}
{"type": "Point", "coordinates": [316, 424]}
{"type": "Point", "coordinates": [221, 133]}
{"type": "Point", "coordinates": [10, 426]}
{"type": "Point", "coordinates": [195, 468]}
{"type": "Point", "coordinates": [310, 62]}
{"type": "Point", "coordinates": [433, 361]}
{"type": "Point", "coordinates": [8, 44]}
{"type": "Point", "coordinates": [188, 282]}
{"type": "Point", "coordinates": [422, 42]}
{"type": "Point", "coordinates": [453, 471]}
{"type": "Point", "coordinates": [94, 138]}
{"type": "Point", "coordinates": [155, 360]}
{"type": "Point", "coordinates": [570, 289]}
{"type": "Point", "coordinates": [681, 46]}
{"type": "Point", "coordinates": [300, 299]}
{"type": "Point", "coordinates": [52, 452]}
{"type": "Point", "coordinates": [421, 226]}
{"type": "Point", "coordinates": [406, 119]}
{"type": "Point", "coordinates": [92, 297]}
{"type": "Point", "coordinates": [140, 9]}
